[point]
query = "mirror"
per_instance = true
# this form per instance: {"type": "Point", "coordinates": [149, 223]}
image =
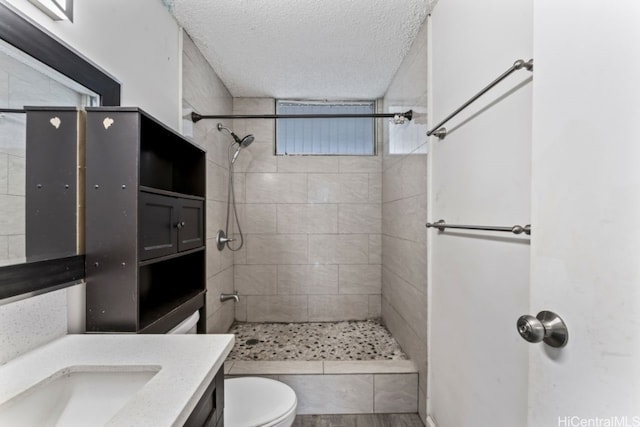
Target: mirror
{"type": "Point", "coordinates": [35, 70]}
{"type": "Point", "coordinates": [25, 82]}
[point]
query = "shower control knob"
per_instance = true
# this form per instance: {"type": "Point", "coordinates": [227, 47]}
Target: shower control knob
{"type": "Point", "coordinates": [546, 326]}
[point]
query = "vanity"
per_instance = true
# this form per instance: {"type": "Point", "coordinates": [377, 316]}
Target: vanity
{"type": "Point", "coordinates": [118, 380]}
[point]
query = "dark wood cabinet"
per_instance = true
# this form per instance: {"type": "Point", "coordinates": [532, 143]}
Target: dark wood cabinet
{"type": "Point", "coordinates": [145, 223]}
{"type": "Point", "coordinates": [209, 412]}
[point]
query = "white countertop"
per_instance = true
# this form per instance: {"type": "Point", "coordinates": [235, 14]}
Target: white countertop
{"type": "Point", "coordinates": [188, 363]}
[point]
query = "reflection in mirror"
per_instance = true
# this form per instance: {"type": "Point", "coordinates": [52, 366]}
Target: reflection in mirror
{"type": "Point", "coordinates": [24, 82]}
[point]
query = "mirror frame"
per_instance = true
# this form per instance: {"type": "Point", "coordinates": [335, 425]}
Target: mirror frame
{"type": "Point", "coordinates": [33, 278]}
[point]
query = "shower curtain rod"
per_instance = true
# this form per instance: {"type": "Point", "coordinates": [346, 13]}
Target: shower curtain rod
{"type": "Point", "coordinates": [407, 115]}
{"type": "Point", "coordinates": [441, 132]}
{"type": "Point", "coordinates": [441, 225]}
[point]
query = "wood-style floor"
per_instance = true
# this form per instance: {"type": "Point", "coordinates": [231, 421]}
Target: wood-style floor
{"type": "Point", "coordinates": [365, 420]}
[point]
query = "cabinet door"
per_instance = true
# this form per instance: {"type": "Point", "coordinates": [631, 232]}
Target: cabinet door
{"type": "Point", "coordinates": [191, 224]}
{"type": "Point", "coordinates": [158, 222]}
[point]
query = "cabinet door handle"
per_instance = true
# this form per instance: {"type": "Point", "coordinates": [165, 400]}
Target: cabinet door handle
{"type": "Point", "coordinates": [180, 224]}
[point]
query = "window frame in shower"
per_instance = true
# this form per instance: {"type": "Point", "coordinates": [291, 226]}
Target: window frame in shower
{"type": "Point", "coordinates": [329, 104]}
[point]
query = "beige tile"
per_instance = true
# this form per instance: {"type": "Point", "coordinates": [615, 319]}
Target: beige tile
{"type": "Point", "coordinates": [375, 249]}
{"type": "Point", "coordinates": [351, 164]}
{"type": "Point", "coordinates": [410, 303]}
{"type": "Point", "coordinates": [369, 367]}
{"type": "Point", "coordinates": [332, 394]}
{"type": "Point", "coordinates": [12, 215]}
{"type": "Point", "coordinates": [308, 164]}
{"type": "Point", "coordinates": [331, 308]}
{"type": "Point", "coordinates": [307, 279]}
{"type": "Point", "coordinates": [217, 178]}
{"type": "Point", "coordinates": [360, 218]}
{"type": "Point", "coordinates": [216, 214]}
{"type": "Point", "coordinates": [258, 157]}
{"type": "Point", "coordinates": [241, 309]}
{"type": "Point", "coordinates": [258, 218]}
{"type": "Point", "coordinates": [407, 259]}
{"type": "Point", "coordinates": [308, 218]}
{"type": "Point", "coordinates": [276, 249]}
{"type": "Point", "coordinates": [410, 343]}
{"type": "Point", "coordinates": [405, 218]}
{"type": "Point", "coordinates": [276, 188]}
{"type": "Point", "coordinates": [240, 187]}
{"type": "Point", "coordinates": [276, 367]}
{"type": "Point", "coordinates": [219, 321]}
{"type": "Point", "coordinates": [338, 249]}
{"type": "Point", "coordinates": [338, 188]}
{"type": "Point", "coordinates": [360, 279]}
{"type": "Point", "coordinates": [4, 173]}
{"type": "Point", "coordinates": [375, 188]}
{"type": "Point", "coordinates": [395, 393]}
{"type": "Point", "coordinates": [281, 308]}
{"type": "Point", "coordinates": [375, 306]}
{"type": "Point", "coordinates": [17, 175]}
{"type": "Point", "coordinates": [217, 284]}
{"type": "Point", "coordinates": [256, 279]}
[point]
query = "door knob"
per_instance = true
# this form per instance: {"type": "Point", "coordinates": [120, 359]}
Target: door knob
{"type": "Point", "coordinates": [547, 327]}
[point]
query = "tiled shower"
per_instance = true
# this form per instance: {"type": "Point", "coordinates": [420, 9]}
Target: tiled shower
{"type": "Point", "coordinates": [326, 237]}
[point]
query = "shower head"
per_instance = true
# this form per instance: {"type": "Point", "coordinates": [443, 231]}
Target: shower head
{"type": "Point", "coordinates": [244, 142]}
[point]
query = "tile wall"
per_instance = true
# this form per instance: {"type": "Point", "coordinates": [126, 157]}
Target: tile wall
{"type": "Point", "coordinates": [204, 93]}
{"type": "Point", "coordinates": [312, 227]}
{"type": "Point", "coordinates": [404, 213]}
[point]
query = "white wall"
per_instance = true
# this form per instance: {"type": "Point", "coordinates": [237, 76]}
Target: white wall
{"type": "Point", "coordinates": [137, 42]}
{"type": "Point", "coordinates": [480, 174]}
{"type": "Point", "coordinates": [586, 209]}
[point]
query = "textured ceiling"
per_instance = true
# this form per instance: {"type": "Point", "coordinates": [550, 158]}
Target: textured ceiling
{"type": "Point", "coordinates": [305, 49]}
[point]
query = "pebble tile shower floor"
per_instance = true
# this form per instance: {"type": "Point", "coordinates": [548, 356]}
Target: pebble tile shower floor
{"type": "Point", "coordinates": [351, 340]}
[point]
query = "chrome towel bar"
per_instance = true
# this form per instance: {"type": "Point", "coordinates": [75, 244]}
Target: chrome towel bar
{"type": "Point", "coordinates": [516, 229]}
{"type": "Point", "coordinates": [441, 132]}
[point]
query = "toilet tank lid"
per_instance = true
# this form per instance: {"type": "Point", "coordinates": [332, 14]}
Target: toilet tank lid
{"type": "Point", "coordinates": [253, 401]}
{"type": "Point", "coordinates": [186, 324]}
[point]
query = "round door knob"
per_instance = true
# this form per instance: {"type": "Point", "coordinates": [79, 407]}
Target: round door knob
{"type": "Point", "coordinates": [546, 326]}
{"type": "Point", "coordinates": [530, 328]}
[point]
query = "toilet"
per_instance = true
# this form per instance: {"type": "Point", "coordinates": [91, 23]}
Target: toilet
{"type": "Point", "coordinates": [251, 401]}
{"type": "Point", "coordinates": [254, 401]}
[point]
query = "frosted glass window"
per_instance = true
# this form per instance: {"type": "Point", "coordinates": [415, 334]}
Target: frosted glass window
{"type": "Point", "coordinates": [342, 136]}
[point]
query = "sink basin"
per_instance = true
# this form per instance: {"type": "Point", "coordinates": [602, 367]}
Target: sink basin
{"type": "Point", "coordinates": [76, 396]}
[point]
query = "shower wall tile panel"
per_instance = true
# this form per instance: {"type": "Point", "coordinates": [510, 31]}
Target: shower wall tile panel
{"type": "Point", "coordinates": [275, 188]}
{"type": "Point", "coordinates": [281, 308]}
{"type": "Point", "coordinates": [324, 308]}
{"type": "Point", "coordinates": [308, 217]}
{"type": "Point", "coordinates": [307, 279]}
{"type": "Point", "coordinates": [404, 213]}
{"type": "Point", "coordinates": [339, 248]}
{"type": "Point", "coordinates": [204, 92]}
{"type": "Point", "coordinates": [395, 393]}
{"type": "Point", "coordinates": [256, 279]}
{"type": "Point", "coordinates": [342, 394]}
{"type": "Point", "coordinates": [258, 217]}
{"type": "Point", "coordinates": [277, 249]}
{"type": "Point", "coordinates": [359, 279]}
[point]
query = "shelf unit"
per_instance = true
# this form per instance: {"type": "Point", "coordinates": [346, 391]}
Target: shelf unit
{"type": "Point", "coordinates": [145, 224]}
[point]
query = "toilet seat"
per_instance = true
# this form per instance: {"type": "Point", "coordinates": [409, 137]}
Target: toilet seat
{"type": "Point", "coordinates": [253, 401]}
